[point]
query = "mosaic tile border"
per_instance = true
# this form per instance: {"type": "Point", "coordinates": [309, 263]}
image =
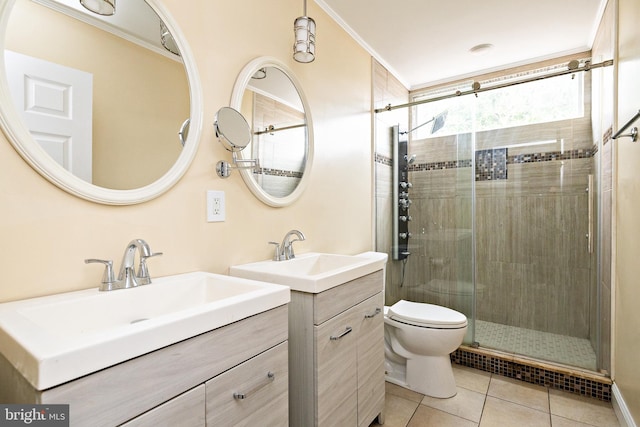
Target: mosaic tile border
{"type": "Point", "coordinates": [534, 373]}
{"type": "Point", "coordinates": [607, 136]}
{"type": "Point", "coordinates": [452, 164]}
{"type": "Point", "coordinates": [385, 160]}
{"type": "Point", "coordinates": [278, 172]}
{"type": "Point", "coordinates": [514, 159]}
{"type": "Point", "coordinates": [551, 156]}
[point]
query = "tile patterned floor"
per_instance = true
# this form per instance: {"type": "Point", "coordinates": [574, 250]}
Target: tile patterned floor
{"type": "Point", "coordinates": [486, 400]}
{"type": "Point", "coordinates": [540, 345]}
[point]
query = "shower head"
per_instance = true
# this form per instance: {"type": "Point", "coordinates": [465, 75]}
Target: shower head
{"type": "Point", "coordinates": [438, 121]}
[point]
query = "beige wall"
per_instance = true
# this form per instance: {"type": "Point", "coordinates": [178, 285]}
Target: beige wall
{"type": "Point", "coordinates": [627, 244]}
{"type": "Point", "coordinates": [45, 234]}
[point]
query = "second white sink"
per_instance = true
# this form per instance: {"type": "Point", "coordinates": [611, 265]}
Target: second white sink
{"type": "Point", "coordinates": [312, 272]}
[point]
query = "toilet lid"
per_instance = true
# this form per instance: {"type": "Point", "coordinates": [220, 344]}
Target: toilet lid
{"type": "Point", "coordinates": [426, 315]}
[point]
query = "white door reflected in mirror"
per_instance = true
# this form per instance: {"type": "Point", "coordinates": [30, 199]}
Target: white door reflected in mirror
{"type": "Point", "coordinates": [56, 104]}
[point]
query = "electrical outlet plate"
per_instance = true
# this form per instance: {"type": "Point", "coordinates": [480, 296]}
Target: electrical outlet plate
{"type": "Point", "coordinates": [215, 206]}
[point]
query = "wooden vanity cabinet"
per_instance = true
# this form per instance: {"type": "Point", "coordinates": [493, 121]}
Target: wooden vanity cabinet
{"type": "Point", "coordinates": [336, 359]}
{"type": "Point", "coordinates": [190, 383]}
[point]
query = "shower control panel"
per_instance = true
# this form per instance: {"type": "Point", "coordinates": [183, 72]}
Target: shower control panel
{"type": "Point", "coordinates": [401, 200]}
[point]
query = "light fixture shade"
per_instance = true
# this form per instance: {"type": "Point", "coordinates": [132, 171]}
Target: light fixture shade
{"type": "Point", "coordinates": [167, 40]}
{"type": "Point", "coordinates": [260, 74]}
{"type": "Point", "coordinates": [304, 48]}
{"type": "Point", "coordinates": [101, 7]}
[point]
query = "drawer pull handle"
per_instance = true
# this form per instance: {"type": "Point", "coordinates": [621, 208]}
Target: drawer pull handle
{"type": "Point", "coordinates": [345, 332]}
{"type": "Point", "coordinates": [375, 313]}
{"type": "Point", "coordinates": [240, 396]}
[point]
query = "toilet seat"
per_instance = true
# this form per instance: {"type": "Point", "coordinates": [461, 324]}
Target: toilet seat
{"type": "Point", "coordinates": [426, 315]}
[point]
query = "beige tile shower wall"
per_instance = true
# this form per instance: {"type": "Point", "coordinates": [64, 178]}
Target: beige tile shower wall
{"type": "Point", "coordinates": [387, 90]}
{"type": "Point", "coordinates": [533, 266]}
{"type": "Point", "coordinates": [279, 168]}
{"type": "Point", "coordinates": [46, 233]}
{"type": "Point", "coordinates": [269, 112]}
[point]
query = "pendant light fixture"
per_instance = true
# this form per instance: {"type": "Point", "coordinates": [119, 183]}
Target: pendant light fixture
{"type": "Point", "coordinates": [101, 7]}
{"type": "Point", "coordinates": [304, 47]}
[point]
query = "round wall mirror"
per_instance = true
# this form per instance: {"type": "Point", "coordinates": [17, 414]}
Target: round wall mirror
{"type": "Point", "coordinates": [107, 108]}
{"type": "Point", "coordinates": [271, 99]}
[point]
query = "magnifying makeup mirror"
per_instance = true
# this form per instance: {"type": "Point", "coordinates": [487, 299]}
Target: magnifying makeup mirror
{"type": "Point", "coordinates": [234, 134]}
{"type": "Point", "coordinates": [232, 129]}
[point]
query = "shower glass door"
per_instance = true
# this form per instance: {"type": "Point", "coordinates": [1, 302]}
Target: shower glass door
{"type": "Point", "coordinates": [504, 217]}
{"type": "Point", "coordinates": [440, 267]}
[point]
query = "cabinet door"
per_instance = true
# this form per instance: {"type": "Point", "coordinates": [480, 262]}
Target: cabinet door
{"type": "Point", "coordinates": [254, 393]}
{"type": "Point", "coordinates": [336, 371]}
{"type": "Point", "coordinates": [370, 359]}
{"type": "Point", "coordinates": [186, 410]}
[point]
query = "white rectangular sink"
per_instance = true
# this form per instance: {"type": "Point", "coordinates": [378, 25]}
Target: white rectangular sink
{"type": "Point", "coordinates": [54, 339]}
{"type": "Point", "coordinates": [312, 272]}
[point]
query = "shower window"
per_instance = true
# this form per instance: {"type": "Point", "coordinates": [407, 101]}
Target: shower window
{"type": "Point", "coordinates": [543, 101]}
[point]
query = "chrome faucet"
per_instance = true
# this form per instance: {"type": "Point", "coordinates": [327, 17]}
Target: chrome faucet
{"type": "Point", "coordinates": [284, 250]}
{"type": "Point", "coordinates": [127, 277]}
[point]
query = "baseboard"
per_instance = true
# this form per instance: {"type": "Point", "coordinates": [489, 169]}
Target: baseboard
{"type": "Point", "coordinates": [621, 409]}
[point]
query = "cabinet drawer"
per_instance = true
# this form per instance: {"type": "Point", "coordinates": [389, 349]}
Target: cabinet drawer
{"type": "Point", "coordinates": [336, 370]}
{"type": "Point", "coordinates": [246, 395]}
{"type": "Point", "coordinates": [186, 410]}
{"type": "Point", "coordinates": [336, 300]}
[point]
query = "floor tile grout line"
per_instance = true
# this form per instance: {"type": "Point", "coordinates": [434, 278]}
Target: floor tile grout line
{"type": "Point", "coordinates": [484, 402]}
{"type": "Point", "coordinates": [550, 412]}
{"type": "Point", "coordinates": [414, 413]}
{"type": "Point", "coordinates": [519, 404]}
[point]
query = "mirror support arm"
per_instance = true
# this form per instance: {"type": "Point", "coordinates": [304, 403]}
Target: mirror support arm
{"type": "Point", "coordinates": [223, 169]}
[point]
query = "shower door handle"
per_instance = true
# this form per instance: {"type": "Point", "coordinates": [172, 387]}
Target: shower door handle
{"type": "Point", "coordinates": [590, 218]}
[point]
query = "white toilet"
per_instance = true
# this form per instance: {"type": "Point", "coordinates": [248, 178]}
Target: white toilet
{"type": "Point", "coordinates": [418, 340]}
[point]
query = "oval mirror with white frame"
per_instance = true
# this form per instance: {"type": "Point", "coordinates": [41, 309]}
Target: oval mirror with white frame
{"type": "Point", "coordinates": [103, 115]}
{"type": "Point", "coordinates": [270, 97]}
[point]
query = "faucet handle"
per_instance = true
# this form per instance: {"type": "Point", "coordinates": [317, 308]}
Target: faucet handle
{"type": "Point", "coordinates": [108, 278]}
{"type": "Point", "coordinates": [276, 253]}
{"type": "Point", "coordinates": [143, 272]}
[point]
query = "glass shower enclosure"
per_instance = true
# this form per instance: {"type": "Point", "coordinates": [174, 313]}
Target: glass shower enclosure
{"type": "Point", "coordinates": [504, 218]}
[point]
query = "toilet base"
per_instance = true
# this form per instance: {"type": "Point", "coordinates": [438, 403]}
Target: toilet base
{"type": "Point", "coordinates": [431, 376]}
{"type": "Point", "coordinates": [396, 373]}
{"type": "Point", "coordinates": [428, 375]}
